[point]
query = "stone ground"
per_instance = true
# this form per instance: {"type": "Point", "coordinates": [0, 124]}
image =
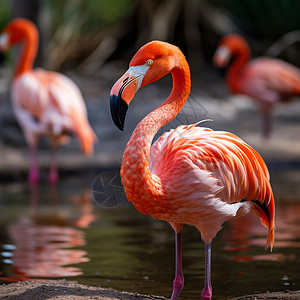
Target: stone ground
{"type": "Point", "coordinates": [209, 100]}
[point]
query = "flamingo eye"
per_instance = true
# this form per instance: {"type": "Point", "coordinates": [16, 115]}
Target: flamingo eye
{"type": "Point", "coordinates": [149, 62]}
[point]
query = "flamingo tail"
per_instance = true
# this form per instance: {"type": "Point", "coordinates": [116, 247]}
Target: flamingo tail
{"type": "Point", "coordinates": [266, 211]}
{"type": "Point", "coordinates": [86, 135]}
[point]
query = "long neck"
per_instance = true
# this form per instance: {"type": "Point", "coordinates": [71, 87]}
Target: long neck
{"type": "Point", "coordinates": [28, 53]}
{"type": "Point", "coordinates": [140, 185]}
{"type": "Point", "coordinates": [240, 57]}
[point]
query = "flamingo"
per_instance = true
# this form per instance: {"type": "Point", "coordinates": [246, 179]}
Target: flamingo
{"type": "Point", "coordinates": [190, 175]}
{"type": "Point", "coordinates": [266, 80]}
{"type": "Point", "coordinates": [45, 103]}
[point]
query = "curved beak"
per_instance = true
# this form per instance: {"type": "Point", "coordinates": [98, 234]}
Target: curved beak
{"type": "Point", "coordinates": [221, 57]}
{"type": "Point", "coordinates": [123, 92]}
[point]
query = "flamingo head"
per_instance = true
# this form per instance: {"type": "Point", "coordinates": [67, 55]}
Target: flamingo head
{"type": "Point", "coordinates": [151, 62]}
{"type": "Point", "coordinates": [229, 46]}
{"type": "Point", "coordinates": [15, 31]}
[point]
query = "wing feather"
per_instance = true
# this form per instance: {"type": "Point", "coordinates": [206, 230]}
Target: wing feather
{"type": "Point", "coordinates": [213, 171]}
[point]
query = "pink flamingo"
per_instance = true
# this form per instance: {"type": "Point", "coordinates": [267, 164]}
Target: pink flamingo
{"type": "Point", "coordinates": [190, 175]}
{"type": "Point", "coordinates": [45, 103]}
{"type": "Point", "coordinates": [266, 80]}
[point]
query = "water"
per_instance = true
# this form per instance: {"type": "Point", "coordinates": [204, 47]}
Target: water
{"type": "Point", "coordinates": [61, 232]}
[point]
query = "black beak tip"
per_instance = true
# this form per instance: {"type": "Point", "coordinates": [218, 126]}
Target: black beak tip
{"type": "Point", "coordinates": [118, 109]}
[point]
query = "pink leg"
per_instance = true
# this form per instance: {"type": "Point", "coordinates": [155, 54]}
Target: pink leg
{"type": "Point", "coordinates": [179, 280]}
{"type": "Point", "coordinates": [33, 175]}
{"type": "Point", "coordinates": [53, 175]}
{"type": "Point", "coordinates": [207, 290]}
{"type": "Point", "coordinates": [267, 124]}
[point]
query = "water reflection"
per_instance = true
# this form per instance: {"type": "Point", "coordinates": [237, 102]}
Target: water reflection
{"type": "Point", "coordinates": [243, 233]}
{"type": "Point", "coordinates": [133, 252]}
{"type": "Point", "coordinates": [44, 237]}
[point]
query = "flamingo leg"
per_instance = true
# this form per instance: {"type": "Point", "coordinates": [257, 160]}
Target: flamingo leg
{"type": "Point", "coordinates": [33, 175]}
{"type": "Point", "coordinates": [267, 123]}
{"type": "Point", "coordinates": [178, 282]}
{"type": "Point", "coordinates": [206, 293]}
{"type": "Point", "coordinates": [53, 175]}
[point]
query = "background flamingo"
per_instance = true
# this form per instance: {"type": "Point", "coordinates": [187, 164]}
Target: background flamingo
{"type": "Point", "coordinates": [45, 103]}
{"type": "Point", "coordinates": [190, 175]}
{"type": "Point", "coordinates": [266, 80]}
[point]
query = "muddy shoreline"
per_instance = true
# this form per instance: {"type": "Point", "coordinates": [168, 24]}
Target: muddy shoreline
{"type": "Point", "coordinates": [63, 289]}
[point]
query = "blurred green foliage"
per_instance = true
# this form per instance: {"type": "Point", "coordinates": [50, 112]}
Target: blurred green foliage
{"type": "Point", "coordinates": [263, 19]}
{"type": "Point", "coordinates": [5, 12]}
{"type": "Point", "coordinates": [93, 13]}
{"type": "Point", "coordinates": [70, 28]}
{"type": "Point", "coordinates": [88, 15]}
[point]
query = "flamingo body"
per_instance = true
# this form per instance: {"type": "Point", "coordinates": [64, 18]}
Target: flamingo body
{"type": "Point", "coordinates": [190, 175]}
{"type": "Point", "coordinates": [266, 80]}
{"type": "Point", "coordinates": [205, 174]}
{"type": "Point", "coordinates": [50, 104]}
{"type": "Point", "coordinates": [45, 103]}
